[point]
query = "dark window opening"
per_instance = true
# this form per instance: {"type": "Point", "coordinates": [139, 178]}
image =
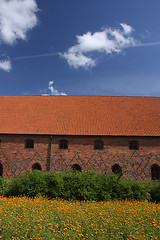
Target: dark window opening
{"type": "Point", "coordinates": [116, 169]}
{"type": "Point", "coordinates": [98, 144]}
{"type": "Point", "coordinates": [1, 169]}
{"type": "Point", "coordinates": [155, 172]}
{"type": "Point", "coordinates": [63, 144]}
{"type": "Point", "coordinates": [76, 167]}
{"type": "Point", "coordinates": [29, 143]}
{"type": "Point", "coordinates": [134, 145]}
{"type": "Point", "coordinates": [36, 166]}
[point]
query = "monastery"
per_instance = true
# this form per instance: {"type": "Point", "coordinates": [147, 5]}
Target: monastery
{"type": "Point", "coordinates": [61, 133]}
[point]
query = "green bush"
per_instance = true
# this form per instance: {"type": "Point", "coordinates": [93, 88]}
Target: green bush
{"type": "Point", "coordinates": [123, 188]}
{"type": "Point", "coordinates": [30, 184]}
{"type": "Point", "coordinates": [85, 186]}
{"type": "Point", "coordinates": [76, 185]}
{"type": "Point", "coordinates": [3, 185]}
{"type": "Point", "coordinates": [54, 184]}
{"type": "Point", "coordinates": [154, 190]}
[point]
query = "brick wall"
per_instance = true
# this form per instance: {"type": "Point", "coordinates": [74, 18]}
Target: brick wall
{"type": "Point", "coordinates": [15, 158]}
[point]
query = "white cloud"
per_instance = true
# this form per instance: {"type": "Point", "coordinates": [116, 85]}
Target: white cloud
{"type": "Point", "coordinates": [16, 18]}
{"type": "Point", "coordinates": [78, 60]}
{"type": "Point", "coordinates": [108, 41]}
{"type": "Point", "coordinates": [52, 90]}
{"type": "Point", "coordinates": [5, 65]}
{"type": "Point", "coordinates": [127, 28]}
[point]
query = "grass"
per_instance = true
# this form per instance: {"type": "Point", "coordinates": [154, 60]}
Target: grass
{"type": "Point", "coordinates": [40, 218]}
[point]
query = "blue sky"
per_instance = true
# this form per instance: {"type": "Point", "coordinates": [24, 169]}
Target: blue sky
{"type": "Point", "coordinates": [87, 47]}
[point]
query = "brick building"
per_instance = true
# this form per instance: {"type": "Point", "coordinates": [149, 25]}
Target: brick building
{"type": "Point", "coordinates": [121, 134]}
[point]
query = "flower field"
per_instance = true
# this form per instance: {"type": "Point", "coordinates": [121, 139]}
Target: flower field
{"type": "Point", "coordinates": [40, 218]}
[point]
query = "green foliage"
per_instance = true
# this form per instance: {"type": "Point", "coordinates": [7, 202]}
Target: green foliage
{"type": "Point", "coordinates": [85, 186]}
{"type": "Point", "coordinates": [123, 188]}
{"type": "Point", "coordinates": [154, 190]}
{"type": "Point", "coordinates": [77, 185]}
{"type": "Point", "coordinates": [30, 184]}
{"type": "Point", "coordinates": [3, 185]}
{"type": "Point", "coordinates": [54, 184]}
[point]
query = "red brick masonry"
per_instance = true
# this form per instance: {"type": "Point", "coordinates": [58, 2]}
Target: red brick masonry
{"type": "Point", "coordinates": [128, 128]}
{"type": "Point", "coordinates": [136, 164]}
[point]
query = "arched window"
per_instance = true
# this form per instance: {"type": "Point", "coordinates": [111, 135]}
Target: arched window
{"type": "Point", "coordinates": [134, 145]}
{"type": "Point", "coordinates": [1, 169]}
{"type": "Point", "coordinates": [116, 169]}
{"type": "Point", "coordinates": [98, 144]}
{"type": "Point", "coordinates": [155, 172]}
{"type": "Point", "coordinates": [36, 166]}
{"type": "Point", "coordinates": [29, 143]}
{"type": "Point", "coordinates": [76, 167]}
{"type": "Point", "coordinates": [63, 144]}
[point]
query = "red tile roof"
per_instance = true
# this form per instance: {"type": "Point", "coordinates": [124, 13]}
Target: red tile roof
{"type": "Point", "coordinates": [80, 115]}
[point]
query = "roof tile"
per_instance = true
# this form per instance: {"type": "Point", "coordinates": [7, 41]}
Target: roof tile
{"type": "Point", "coordinates": [80, 115]}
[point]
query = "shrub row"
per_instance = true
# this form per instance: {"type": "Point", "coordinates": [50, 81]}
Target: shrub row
{"type": "Point", "coordinates": [87, 185]}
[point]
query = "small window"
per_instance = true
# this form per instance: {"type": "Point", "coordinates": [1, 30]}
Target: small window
{"type": "Point", "coordinates": [76, 167]}
{"type": "Point", "coordinates": [116, 169]}
{"type": "Point", "coordinates": [36, 166]}
{"type": "Point", "coordinates": [134, 145]}
{"type": "Point", "coordinates": [155, 172]}
{"type": "Point", "coordinates": [63, 144]}
{"type": "Point", "coordinates": [29, 143]}
{"type": "Point", "coordinates": [1, 169]}
{"type": "Point", "coordinates": [98, 144]}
